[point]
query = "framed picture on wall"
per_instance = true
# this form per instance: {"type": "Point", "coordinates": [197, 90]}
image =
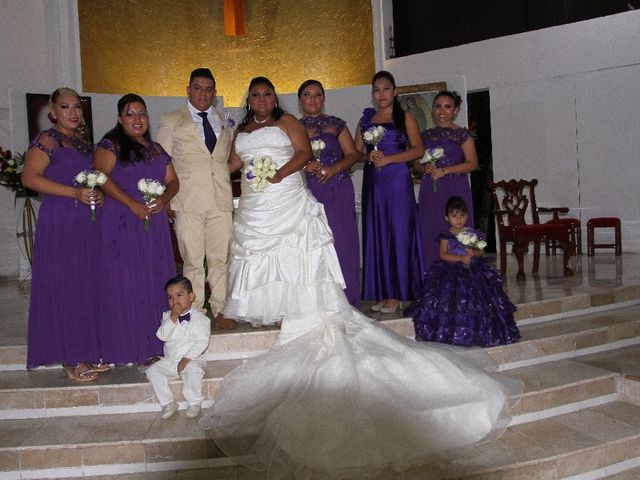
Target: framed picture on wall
{"type": "Point", "coordinates": [418, 99]}
{"type": "Point", "coordinates": [39, 117]}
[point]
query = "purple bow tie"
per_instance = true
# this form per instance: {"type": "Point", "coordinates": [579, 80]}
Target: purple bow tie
{"type": "Point", "coordinates": [185, 318]}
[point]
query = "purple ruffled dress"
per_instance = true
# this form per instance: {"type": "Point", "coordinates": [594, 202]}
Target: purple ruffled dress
{"type": "Point", "coordinates": [392, 253]}
{"type": "Point", "coordinates": [64, 291]}
{"type": "Point", "coordinates": [431, 205]}
{"type": "Point", "coordinates": [338, 197]}
{"type": "Point", "coordinates": [463, 304]}
{"type": "Point", "coordinates": [136, 264]}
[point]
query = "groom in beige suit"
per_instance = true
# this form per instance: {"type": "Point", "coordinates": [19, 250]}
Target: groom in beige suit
{"type": "Point", "coordinates": [198, 140]}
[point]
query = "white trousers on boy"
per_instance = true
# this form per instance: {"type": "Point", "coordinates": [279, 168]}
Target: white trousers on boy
{"type": "Point", "coordinates": [165, 369]}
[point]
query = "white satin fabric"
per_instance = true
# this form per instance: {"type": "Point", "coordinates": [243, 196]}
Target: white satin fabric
{"type": "Point", "coordinates": [339, 396]}
{"type": "Point", "coordinates": [282, 261]}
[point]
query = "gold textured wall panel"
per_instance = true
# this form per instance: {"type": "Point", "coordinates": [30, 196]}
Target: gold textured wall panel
{"type": "Point", "coordinates": [150, 47]}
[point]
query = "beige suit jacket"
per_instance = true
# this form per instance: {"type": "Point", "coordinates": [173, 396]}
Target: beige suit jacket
{"type": "Point", "coordinates": [204, 176]}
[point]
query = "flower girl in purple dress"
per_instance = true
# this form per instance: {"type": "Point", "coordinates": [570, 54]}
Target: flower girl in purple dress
{"type": "Point", "coordinates": [462, 300]}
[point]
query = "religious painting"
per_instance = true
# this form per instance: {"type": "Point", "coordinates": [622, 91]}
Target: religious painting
{"type": "Point", "coordinates": [39, 118]}
{"type": "Point", "coordinates": [418, 99]}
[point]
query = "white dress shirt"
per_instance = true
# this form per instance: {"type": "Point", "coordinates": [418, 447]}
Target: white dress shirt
{"type": "Point", "coordinates": [214, 120]}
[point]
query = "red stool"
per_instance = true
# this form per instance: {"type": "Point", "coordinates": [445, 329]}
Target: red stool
{"type": "Point", "coordinates": [604, 222]}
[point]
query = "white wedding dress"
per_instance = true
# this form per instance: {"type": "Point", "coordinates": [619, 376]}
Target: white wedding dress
{"type": "Point", "coordinates": [339, 396]}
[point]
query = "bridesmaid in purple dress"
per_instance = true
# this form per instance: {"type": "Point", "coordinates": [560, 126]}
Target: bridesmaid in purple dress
{"type": "Point", "coordinates": [450, 173]}
{"type": "Point", "coordinates": [329, 180]}
{"type": "Point", "coordinates": [392, 270]}
{"type": "Point", "coordinates": [63, 304]}
{"type": "Point", "coordinates": [137, 256]}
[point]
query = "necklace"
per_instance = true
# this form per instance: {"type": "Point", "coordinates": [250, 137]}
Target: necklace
{"type": "Point", "coordinates": [255, 119]}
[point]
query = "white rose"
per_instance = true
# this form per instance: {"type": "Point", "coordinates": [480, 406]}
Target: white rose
{"type": "Point", "coordinates": [92, 179]}
{"type": "Point", "coordinates": [80, 177]}
{"type": "Point", "coordinates": [161, 189]}
{"type": "Point", "coordinates": [142, 185]}
{"type": "Point", "coordinates": [473, 238]}
{"type": "Point", "coordinates": [368, 136]}
{"type": "Point", "coordinates": [102, 178]}
{"type": "Point", "coordinates": [463, 238]}
{"type": "Point", "coordinates": [481, 245]}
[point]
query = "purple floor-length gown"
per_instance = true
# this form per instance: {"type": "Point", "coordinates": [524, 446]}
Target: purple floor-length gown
{"type": "Point", "coordinates": [136, 264]}
{"type": "Point", "coordinates": [463, 304]}
{"type": "Point", "coordinates": [431, 205]}
{"type": "Point", "coordinates": [392, 255]}
{"type": "Point", "coordinates": [64, 291]}
{"type": "Point", "coordinates": [338, 197]}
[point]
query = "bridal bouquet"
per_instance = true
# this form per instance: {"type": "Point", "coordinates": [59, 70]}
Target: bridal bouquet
{"type": "Point", "coordinates": [258, 171]}
{"type": "Point", "coordinates": [470, 239]}
{"type": "Point", "coordinates": [431, 157]}
{"type": "Point", "coordinates": [317, 146]}
{"type": "Point", "coordinates": [374, 135]}
{"type": "Point", "coordinates": [150, 189]}
{"type": "Point", "coordinates": [90, 179]}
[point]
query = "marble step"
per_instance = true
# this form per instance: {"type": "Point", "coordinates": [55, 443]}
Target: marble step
{"type": "Point", "coordinates": [547, 449]}
{"type": "Point", "coordinates": [549, 389]}
{"type": "Point", "coordinates": [549, 385]}
{"type": "Point", "coordinates": [245, 341]}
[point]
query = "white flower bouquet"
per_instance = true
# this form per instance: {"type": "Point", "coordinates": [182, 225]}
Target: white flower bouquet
{"type": "Point", "coordinates": [317, 146]}
{"type": "Point", "coordinates": [470, 239]}
{"type": "Point", "coordinates": [150, 189]}
{"type": "Point", "coordinates": [374, 135]}
{"type": "Point", "coordinates": [91, 179]}
{"type": "Point", "coordinates": [431, 157]}
{"type": "Point", "coordinates": [258, 172]}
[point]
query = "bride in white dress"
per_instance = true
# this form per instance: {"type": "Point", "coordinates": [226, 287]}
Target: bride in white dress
{"type": "Point", "coordinates": [339, 396]}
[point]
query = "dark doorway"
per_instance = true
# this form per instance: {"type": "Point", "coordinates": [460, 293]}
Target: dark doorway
{"type": "Point", "coordinates": [479, 112]}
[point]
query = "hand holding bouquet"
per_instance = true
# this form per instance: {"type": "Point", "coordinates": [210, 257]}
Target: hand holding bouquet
{"type": "Point", "coordinates": [150, 189]}
{"type": "Point", "coordinates": [91, 179]}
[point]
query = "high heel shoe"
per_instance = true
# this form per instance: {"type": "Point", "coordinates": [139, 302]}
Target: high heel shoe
{"type": "Point", "coordinates": [392, 308]}
{"type": "Point", "coordinates": [378, 306]}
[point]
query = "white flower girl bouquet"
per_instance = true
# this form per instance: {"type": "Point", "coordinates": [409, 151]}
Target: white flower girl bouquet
{"type": "Point", "coordinates": [258, 172]}
{"type": "Point", "coordinates": [91, 179]}
{"type": "Point", "coordinates": [470, 239]}
{"type": "Point", "coordinates": [150, 189]}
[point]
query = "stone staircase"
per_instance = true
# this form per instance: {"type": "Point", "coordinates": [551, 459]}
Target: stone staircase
{"type": "Point", "coordinates": [579, 418]}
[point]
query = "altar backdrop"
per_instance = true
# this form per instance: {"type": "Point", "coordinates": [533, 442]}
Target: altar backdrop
{"type": "Point", "coordinates": [150, 46]}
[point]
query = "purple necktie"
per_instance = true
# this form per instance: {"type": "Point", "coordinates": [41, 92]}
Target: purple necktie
{"type": "Point", "coordinates": [209, 135]}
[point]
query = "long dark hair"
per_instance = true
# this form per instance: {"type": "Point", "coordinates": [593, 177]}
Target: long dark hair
{"type": "Point", "coordinates": [276, 113]}
{"type": "Point", "coordinates": [127, 144]}
{"type": "Point", "coordinates": [397, 112]}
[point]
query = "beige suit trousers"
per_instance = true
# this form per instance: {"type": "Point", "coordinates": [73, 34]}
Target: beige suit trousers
{"type": "Point", "coordinates": [205, 235]}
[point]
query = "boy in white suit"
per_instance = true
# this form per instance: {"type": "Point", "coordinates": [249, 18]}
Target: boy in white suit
{"type": "Point", "coordinates": [185, 332]}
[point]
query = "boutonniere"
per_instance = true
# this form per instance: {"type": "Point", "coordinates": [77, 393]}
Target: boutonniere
{"type": "Point", "coordinates": [228, 121]}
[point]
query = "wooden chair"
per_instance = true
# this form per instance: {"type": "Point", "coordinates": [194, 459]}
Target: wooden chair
{"type": "Point", "coordinates": [514, 201]}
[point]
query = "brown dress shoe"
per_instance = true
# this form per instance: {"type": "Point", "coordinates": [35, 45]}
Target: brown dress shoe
{"type": "Point", "coordinates": [224, 323]}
